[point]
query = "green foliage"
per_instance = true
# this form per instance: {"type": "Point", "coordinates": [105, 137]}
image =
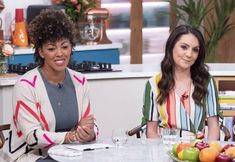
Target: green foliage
{"type": "Point", "coordinates": [191, 12]}
{"type": "Point", "coordinates": [197, 13]}
{"type": "Point", "coordinates": [219, 25]}
{"type": "Point", "coordinates": [75, 8]}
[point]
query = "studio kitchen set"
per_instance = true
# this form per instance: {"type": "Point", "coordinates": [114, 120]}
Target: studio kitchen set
{"type": "Point", "coordinates": [94, 53]}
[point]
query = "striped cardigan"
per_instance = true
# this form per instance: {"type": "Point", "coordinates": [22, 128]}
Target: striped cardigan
{"type": "Point", "coordinates": [32, 129]}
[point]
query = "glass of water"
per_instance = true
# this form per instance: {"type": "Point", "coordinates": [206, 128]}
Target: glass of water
{"type": "Point", "coordinates": [170, 136]}
{"type": "Point", "coordinates": [119, 137]}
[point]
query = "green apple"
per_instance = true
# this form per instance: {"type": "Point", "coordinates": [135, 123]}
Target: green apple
{"type": "Point", "coordinates": [191, 154]}
{"type": "Point", "coordinates": [173, 149]}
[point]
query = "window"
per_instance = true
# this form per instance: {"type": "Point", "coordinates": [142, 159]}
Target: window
{"type": "Point", "coordinates": [155, 25]}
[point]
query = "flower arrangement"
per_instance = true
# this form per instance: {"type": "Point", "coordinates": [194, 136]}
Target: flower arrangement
{"type": "Point", "coordinates": [6, 50]}
{"type": "Point", "coordinates": [75, 8]}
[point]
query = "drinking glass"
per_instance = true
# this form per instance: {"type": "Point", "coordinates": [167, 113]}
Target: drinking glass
{"type": "Point", "coordinates": [170, 136]}
{"type": "Point", "coordinates": [119, 137]}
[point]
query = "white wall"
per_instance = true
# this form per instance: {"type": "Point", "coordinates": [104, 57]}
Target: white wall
{"type": "Point", "coordinates": [8, 13]}
{"type": "Point", "coordinates": [147, 59]}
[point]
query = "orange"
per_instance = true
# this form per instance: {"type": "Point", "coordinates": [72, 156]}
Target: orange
{"type": "Point", "coordinates": [216, 145]}
{"type": "Point", "coordinates": [230, 151]}
{"type": "Point", "coordinates": [208, 154]}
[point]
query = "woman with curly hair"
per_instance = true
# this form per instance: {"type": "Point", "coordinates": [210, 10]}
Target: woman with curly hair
{"type": "Point", "coordinates": [183, 96]}
{"type": "Point", "coordinates": [51, 102]}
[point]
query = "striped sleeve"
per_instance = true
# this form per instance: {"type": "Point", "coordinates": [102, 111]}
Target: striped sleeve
{"type": "Point", "coordinates": [149, 108]}
{"type": "Point", "coordinates": [212, 104]}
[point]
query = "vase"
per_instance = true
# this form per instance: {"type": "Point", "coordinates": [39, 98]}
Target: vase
{"type": "Point", "coordinates": [3, 67]}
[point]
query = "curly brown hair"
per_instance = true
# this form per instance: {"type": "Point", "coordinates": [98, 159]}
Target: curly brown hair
{"type": "Point", "coordinates": [50, 25]}
{"type": "Point", "coordinates": [199, 70]}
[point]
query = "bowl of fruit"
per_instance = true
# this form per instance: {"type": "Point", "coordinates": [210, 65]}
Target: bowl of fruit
{"type": "Point", "coordinates": [202, 151]}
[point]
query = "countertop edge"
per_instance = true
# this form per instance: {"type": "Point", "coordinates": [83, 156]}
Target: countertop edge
{"type": "Point", "coordinates": [137, 71]}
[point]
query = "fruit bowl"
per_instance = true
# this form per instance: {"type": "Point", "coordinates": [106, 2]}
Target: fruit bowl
{"type": "Point", "coordinates": [174, 158]}
{"type": "Point", "coordinates": [203, 151]}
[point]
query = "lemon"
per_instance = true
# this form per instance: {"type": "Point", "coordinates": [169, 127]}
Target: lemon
{"type": "Point", "coordinates": [180, 155]}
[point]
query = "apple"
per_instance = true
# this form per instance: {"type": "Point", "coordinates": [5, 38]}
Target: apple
{"type": "Point", "coordinates": [202, 145]}
{"type": "Point", "coordinates": [230, 151]}
{"type": "Point", "coordinates": [200, 136]}
{"type": "Point", "coordinates": [182, 146]}
{"type": "Point", "coordinates": [173, 149]}
{"type": "Point", "coordinates": [196, 141]}
{"type": "Point", "coordinates": [191, 154]}
{"type": "Point", "coordinates": [227, 146]}
{"type": "Point", "coordinates": [222, 157]}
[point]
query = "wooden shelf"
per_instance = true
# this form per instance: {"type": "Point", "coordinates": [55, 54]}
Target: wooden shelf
{"type": "Point", "coordinates": [226, 83]}
{"type": "Point", "coordinates": [227, 113]}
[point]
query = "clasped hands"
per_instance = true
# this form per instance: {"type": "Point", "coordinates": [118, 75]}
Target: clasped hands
{"type": "Point", "coordinates": [83, 132]}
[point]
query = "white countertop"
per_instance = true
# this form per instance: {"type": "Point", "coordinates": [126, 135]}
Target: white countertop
{"type": "Point", "coordinates": [28, 50]}
{"type": "Point", "coordinates": [136, 71]}
{"type": "Point", "coordinates": [222, 69]}
{"type": "Point", "coordinates": [137, 150]}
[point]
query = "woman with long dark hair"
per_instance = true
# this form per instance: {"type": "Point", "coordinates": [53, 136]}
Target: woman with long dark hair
{"type": "Point", "coordinates": [183, 96]}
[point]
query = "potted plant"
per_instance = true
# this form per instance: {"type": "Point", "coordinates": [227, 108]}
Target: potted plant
{"type": "Point", "coordinates": [211, 17]}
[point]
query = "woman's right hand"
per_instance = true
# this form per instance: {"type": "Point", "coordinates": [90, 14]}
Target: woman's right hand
{"type": "Point", "coordinates": [81, 134]}
{"type": "Point", "coordinates": [85, 134]}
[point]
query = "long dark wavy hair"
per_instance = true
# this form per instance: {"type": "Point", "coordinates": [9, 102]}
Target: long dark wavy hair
{"type": "Point", "coordinates": [199, 70]}
{"type": "Point", "coordinates": [50, 25]}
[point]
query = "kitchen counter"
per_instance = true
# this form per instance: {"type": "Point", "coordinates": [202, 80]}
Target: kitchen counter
{"type": "Point", "coordinates": [133, 71]}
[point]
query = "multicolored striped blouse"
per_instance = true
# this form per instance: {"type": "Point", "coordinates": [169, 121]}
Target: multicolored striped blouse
{"type": "Point", "coordinates": [179, 111]}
